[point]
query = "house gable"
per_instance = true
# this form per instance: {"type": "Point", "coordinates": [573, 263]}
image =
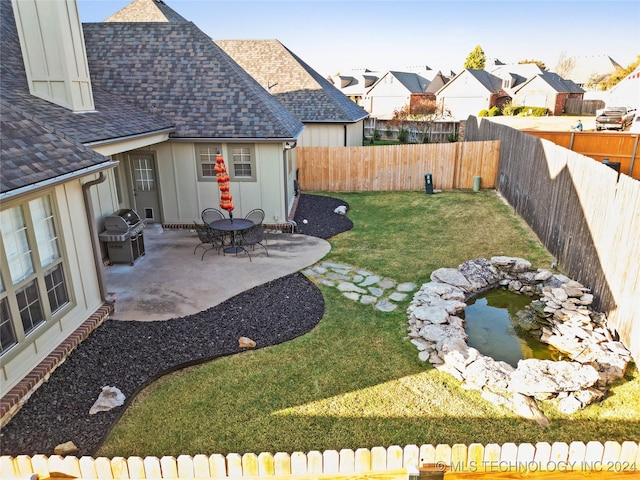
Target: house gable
{"type": "Point", "coordinates": [298, 87]}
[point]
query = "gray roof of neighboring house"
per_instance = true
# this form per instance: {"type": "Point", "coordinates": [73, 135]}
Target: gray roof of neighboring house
{"type": "Point", "coordinates": [177, 71]}
{"type": "Point", "coordinates": [146, 11]}
{"type": "Point", "coordinates": [297, 86]}
{"type": "Point", "coordinates": [556, 82]}
{"type": "Point", "coordinates": [491, 82]}
{"type": "Point", "coordinates": [412, 81]}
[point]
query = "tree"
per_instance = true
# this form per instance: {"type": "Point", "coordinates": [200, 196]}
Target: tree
{"type": "Point", "coordinates": [476, 59]}
{"type": "Point", "coordinates": [537, 62]}
{"type": "Point", "coordinates": [565, 65]}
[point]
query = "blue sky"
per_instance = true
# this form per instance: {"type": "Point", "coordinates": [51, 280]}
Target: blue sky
{"type": "Point", "coordinates": [335, 36]}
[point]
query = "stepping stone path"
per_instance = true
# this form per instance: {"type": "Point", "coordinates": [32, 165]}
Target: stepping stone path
{"type": "Point", "coordinates": [360, 285]}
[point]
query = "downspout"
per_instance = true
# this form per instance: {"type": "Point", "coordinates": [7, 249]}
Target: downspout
{"type": "Point", "coordinates": [285, 177]}
{"type": "Point", "coordinates": [345, 134]}
{"type": "Point", "coordinates": [95, 244]}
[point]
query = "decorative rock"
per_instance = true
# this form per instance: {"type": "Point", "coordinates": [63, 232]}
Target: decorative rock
{"type": "Point", "coordinates": [378, 292]}
{"type": "Point", "coordinates": [370, 280]}
{"type": "Point", "coordinates": [357, 279]}
{"type": "Point", "coordinates": [386, 306]}
{"type": "Point", "coordinates": [528, 408]}
{"type": "Point", "coordinates": [368, 299]}
{"type": "Point", "coordinates": [452, 277]}
{"type": "Point", "coordinates": [406, 287]}
{"type": "Point", "coordinates": [109, 398]}
{"type": "Point", "coordinates": [350, 287]}
{"type": "Point", "coordinates": [67, 448]}
{"type": "Point", "coordinates": [431, 314]}
{"type": "Point", "coordinates": [543, 275]}
{"type": "Point", "coordinates": [397, 297]}
{"type": "Point", "coordinates": [534, 376]}
{"type": "Point", "coordinates": [387, 283]}
{"type": "Point", "coordinates": [336, 276]}
{"type": "Point", "coordinates": [352, 295]}
{"type": "Point", "coordinates": [246, 342]}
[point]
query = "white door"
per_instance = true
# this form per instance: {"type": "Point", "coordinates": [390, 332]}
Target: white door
{"type": "Point", "coordinates": [145, 186]}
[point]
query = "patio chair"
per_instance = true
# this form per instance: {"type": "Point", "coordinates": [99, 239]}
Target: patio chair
{"type": "Point", "coordinates": [256, 216]}
{"type": "Point", "coordinates": [251, 237]}
{"type": "Point", "coordinates": [209, 238]}
{"type": "Point", "coordinates": [209, 215]}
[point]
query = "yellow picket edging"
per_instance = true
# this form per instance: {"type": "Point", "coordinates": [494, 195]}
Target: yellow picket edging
{"type": "Point", "coordinates": [510, 460]}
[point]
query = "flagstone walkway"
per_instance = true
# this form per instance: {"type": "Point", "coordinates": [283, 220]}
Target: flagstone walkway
{"type": "Point", "coordinates": [360, 285]}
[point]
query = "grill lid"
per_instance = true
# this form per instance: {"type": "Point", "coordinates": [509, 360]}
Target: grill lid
{"type": "Point", "coordinates": [128, 215]}
{"type": "Point", "coordinates": [123, 221]}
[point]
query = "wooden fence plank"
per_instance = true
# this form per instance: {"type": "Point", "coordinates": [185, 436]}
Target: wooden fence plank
{"type": "Point", "coordinates": [594, 452]}
{"type": "Point", "coordinates": [314, 462]}
{"type": "Point", "coordinates": [427, 454]}
{"type": "Point", "coordinates": [201, 466]}
{"type": "Point", "coordinates": [218, 465]}
{"type": "Point", "coordinates": [250, 465]}
{"type": "Point", "coordinates": [152, 467]}
{"type": "Point", "coordinates": [459, 453]}
{"type": "Point", "coordinates": [135, 465]}
{"type": "Point", "coordinates": [88, 467]}
{"type": "Point", "coordinates": [526, 454]}
{"type": "Point", "coordinates": [8, 467]}
{"type": "Point", "coordinates": [118, 468]}
{"type": "Point", "coordinates": [103, 468]}
{"type": "Point", "coordinates": [378, 458]}
{"type": "Point", "coordinates": [282, 463]}
{"type": "Point", "coordinates": [491, 455]}
{"type": "Point", "coordinates": [298, 463]}
{"type": "Point", "coordinates": [234, 465]}
{"type": "Point", "coordinates": [347, 460]}
{"type": "Point", "coordinates": [559, 453]}
{"type": "Point", "coordinates": [362, 460]}
{"type": "Point", "coordinates": [411, 456]}
{"type": "Point", "coordinates": [630, 454]}
{"type": "Point", "coordinates": [611, 454]}
{"type": "Point", "coordinates": [23, 465]}
{"type": "Point", "coordinates": [577, 451]}
{"type": "Point", "coordinates": [475, 456]}
{"type": "Point", "coordinates": [330, 461]}
{"type": "Point", "coordinates": [266, 464]}
{"type": "Point", "coordinates": [443, 454]}
{"type": "Point", "coordinates": [169, 467]}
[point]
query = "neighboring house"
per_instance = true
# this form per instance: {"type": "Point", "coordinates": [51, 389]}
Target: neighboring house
{"type": "Point", "coordinates": [395, 89]}
{"type": "Point", "coordinates": [354, 84]}
{"type": "Point", "coordinates": [469, 92]}
{"type": "Point", "coordinates": [100, 117]}
{"type": "Point", "coordinates": [521, 84]}
{"type": "Point", "coordinates": [626, 93]}
{"type": "Point", "coordinates": [587, 72]}
{"type": "Point", "coordinates": [330, 118]}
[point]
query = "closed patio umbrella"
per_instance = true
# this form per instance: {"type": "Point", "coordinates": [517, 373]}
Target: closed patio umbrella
{"type": "Point", "coordinates": [226, 201]}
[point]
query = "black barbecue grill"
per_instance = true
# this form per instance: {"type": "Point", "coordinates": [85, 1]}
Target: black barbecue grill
{"type": "Point", "coordinates": [123, 235]}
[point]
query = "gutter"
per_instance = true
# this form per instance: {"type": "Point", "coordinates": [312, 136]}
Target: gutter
{"type": "Point", "coordinates": [93, 233]}
{"type": "Point", "coordinates": [52, 182]}
{"type": "Point", "coordinates": [108, 141]}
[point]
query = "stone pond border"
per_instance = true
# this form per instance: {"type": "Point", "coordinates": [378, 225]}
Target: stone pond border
{"type": "Point", "coordinates": [562, 315]}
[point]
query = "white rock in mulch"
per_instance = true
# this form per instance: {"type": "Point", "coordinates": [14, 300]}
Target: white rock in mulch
{"type": "Point", "coordinates": [109, 398]}
{"type": "Point", "coordinates": [341, 210]}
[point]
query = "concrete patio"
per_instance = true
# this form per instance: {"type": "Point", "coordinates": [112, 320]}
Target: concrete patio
{"type": "Point", "coordinates": [169, 281]}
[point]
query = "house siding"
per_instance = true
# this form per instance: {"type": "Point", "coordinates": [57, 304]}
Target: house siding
{"type": "Point", "coordinates": [82, 285]}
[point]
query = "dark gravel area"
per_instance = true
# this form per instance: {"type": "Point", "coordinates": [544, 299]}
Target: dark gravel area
{"type": "Point", "coordinates": [130, 355]}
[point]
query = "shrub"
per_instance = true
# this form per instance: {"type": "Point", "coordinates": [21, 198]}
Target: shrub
{"type": "Point", "coordinates": [511, 110]}
{"type": "Point", "coordinates": [494, 112]}
{"type": "Point", "coordinates": [389, 132]}
{"type": "Point", "coordinates": [376, 134]}
{"type": "Point", "coordinates": [403, 135]}
{"type": "Point", "coordinates": [483, 113]}
{"type": "Point", "coordinates": [452, 137]}
{"type": "Point", "coordinates": [534, 111]}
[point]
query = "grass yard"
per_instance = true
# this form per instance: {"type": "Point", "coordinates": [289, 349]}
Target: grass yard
{"type": "Point", "coordinates": [355, 381]}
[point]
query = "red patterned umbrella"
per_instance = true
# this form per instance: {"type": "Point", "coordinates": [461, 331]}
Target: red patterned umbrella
{"type": "Point", "coordinates": [226, 202]}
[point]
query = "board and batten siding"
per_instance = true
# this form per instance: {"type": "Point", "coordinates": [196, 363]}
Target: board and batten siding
{"type": "Point", "coordinates": [331, 135]}
{"type": "Point", "coordinates": [183, 195]}
{"type": "Point", "coordinates": [80, 273]}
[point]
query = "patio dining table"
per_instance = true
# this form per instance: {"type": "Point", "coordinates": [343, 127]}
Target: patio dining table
{"type": "Point", "coordinates": [232, 226]}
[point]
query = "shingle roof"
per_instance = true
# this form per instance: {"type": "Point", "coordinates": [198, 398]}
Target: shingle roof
{"type": "Point", "coordinates": [297, 86]}
{"type": "Point", "coordinates": [556, 82]}
{"type": "Point", "coordinates": [489, 81]}
{"type": "Point", "coordinates": [32, 153]}
{"type": "Point", "coordinates": [146, 11]}
{"type": "Point", "coordinates": [412, 81]}
{"type": "Point", "coordinates": [174, 69]}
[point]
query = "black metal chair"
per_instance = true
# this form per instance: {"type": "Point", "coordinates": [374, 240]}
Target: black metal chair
{"type": "Point", "coordinates": [209, 215]}
{"type": "Point", "coordinates": [256, 216]}
{"type": "Point", "coordinates": [209, 239]}
{"type": "Point", "coordinates": [251, 237]}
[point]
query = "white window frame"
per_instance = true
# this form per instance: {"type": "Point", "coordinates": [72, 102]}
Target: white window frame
{"type": "Point", "coordinates": [46, 278]}
{"type": "Point", "coordinates": [206, 157]}
{"type": "Point", "coordinates": [242, 157]}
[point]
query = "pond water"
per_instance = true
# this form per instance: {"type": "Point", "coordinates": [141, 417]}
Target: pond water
{"type": "Point", "coordinates": [492, 326]}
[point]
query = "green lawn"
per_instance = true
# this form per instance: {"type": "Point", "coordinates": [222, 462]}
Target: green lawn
{"type": "Point", "coordinates": [355, 381]}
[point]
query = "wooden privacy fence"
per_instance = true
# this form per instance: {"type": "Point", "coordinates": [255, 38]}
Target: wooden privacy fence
{"type": "Point", "coordinates": [584, 213]}
{"type": "Point", "coordinates": [619, 147]}
{"type": "Point", "coordinates": [397, 167]}
{"type": "Point", "coordinates": [459, 460]}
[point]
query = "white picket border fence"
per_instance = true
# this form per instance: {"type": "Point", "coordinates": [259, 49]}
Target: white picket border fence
{"type": "Point", "coordinates": [542, 457]}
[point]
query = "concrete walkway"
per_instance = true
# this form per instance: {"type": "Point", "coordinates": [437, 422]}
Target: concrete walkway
{"type": "Point", "coordinates": [170, 281]}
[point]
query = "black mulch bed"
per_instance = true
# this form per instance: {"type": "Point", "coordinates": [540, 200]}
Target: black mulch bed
{"type": "Point", "coordinates": [130, 355]}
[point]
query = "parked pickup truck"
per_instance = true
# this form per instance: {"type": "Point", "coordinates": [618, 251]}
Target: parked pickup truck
{"type": "Point", "coordinates": [615, 118]}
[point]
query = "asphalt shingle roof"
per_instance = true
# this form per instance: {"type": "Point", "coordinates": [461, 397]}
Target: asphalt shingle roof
{"type": "Point", "coordinates": [146, 11]}
{"type": "Point", "coordinates": [412, 81]}
{"type": "Point", "coordinates": [297, 86]}
{"type": "Point", "coordinates": [174, 69]}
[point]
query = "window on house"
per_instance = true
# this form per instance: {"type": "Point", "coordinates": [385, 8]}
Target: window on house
{"type": "Point", "coordinates": [207, 154]}
{"type": "Point", "coordinates": [243, 166]}
{"type": "Point", "coordinates": [35, 275]}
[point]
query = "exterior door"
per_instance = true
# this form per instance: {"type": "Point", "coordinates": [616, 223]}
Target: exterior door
{"type": "Point", "coordinates": [145, 186]}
